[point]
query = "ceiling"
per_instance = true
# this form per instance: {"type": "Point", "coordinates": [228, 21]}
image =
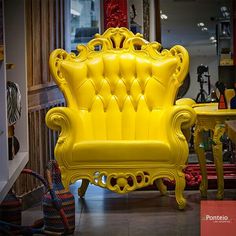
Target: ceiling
{"type": "Point", "coordinates": [181, 25]}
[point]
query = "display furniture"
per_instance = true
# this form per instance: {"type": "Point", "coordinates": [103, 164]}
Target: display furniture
{"type": "Point", "coordinates": [13, 51]}
{"type": "Point", "coordinates": [226, 68]}
{"type": "Point", "coordinates": [210, 118]}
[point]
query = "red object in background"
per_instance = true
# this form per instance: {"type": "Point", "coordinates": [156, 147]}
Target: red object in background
{"type": "Point", "coordinates": [218, 218]}
{"type": "Point", "coordinates": [115, 13]}
{"type": "Point", "coordinates": [222, 104]}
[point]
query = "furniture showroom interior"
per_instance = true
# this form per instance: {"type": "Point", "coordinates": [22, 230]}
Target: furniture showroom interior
{"type": "Point", "coordinates": [118, 117]}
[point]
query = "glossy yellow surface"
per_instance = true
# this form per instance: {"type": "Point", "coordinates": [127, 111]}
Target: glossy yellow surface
{"type": "Point", "coordinates": [210, 118]}
{"type": "Point", "coordinates": [190, 102]}
{"type": "Point", "coordinates": [120, 129]}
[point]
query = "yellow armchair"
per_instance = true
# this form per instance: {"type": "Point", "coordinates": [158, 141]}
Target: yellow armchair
{"type": "Point", "coordinates": [121, 129]}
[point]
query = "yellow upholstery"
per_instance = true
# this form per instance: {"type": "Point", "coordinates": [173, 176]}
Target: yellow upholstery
{"type": "Point", "coordinates": [120, 122]}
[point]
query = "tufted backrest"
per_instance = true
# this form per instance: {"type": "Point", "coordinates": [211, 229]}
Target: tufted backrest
{"type": "Point", "coordinates": [120, 83]}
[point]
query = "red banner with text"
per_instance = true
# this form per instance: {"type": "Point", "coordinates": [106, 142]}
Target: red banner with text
{"type": "Point", "coordinates": [218, 218]}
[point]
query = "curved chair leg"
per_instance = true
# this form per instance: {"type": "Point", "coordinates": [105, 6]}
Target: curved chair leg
{"type": "Point", "coordinates": [160, 185]}
{"type": "Point", "coordinates": [179, 189]}
{"type": "Point", "coordinates": [82, 189]}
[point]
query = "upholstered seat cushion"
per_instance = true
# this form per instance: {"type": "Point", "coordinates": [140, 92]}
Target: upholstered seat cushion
{"type": "Point", "coordinates": [121, 150]}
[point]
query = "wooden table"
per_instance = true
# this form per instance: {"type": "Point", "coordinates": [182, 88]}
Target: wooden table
{"type": "Point", "coordinates": [209, 117]}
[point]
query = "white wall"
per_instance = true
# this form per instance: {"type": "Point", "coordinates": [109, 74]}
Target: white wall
{"type": "Point", "coordinates": [15, 42]}
{"type": "Point", "coordinates": [210, 61]}
{"type": "Point", "coordinates": [139, 11]}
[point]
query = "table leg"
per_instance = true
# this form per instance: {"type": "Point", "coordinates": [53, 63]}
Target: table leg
{"type": "Point", "coordinates": [218, 159]}
{"type": "Point", "coordinates": [201, 159]}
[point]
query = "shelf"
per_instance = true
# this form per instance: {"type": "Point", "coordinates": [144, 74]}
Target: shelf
{"type": "Point", "coordinates": [226, 62]}
{"type": "Point", "coordinates": [226, 65]}
{"type": "Point", "coordinates": [18, 163]}
{"type": "Point", "coordinates": [10, 66]}
{"type": "Point", "coordinates": [224, 38]}
{"type": "Point", "coordinates": [15, 167]}
{"type": "Point", "coordinates": [13, 18]}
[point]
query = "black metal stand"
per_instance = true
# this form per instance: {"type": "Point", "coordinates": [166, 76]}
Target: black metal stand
{"type": "Point", "coordinates": [202, 95]}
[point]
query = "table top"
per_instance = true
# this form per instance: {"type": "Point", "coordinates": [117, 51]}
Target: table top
{"type": "Point", "coordinates": [211, 109]}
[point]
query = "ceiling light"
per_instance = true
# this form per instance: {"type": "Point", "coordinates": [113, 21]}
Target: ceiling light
{"type": "Point", "coordinates": [212, 39]}
{"type": "Point", "coordinates": [200, 24]}
{"type": "Point", "coordinates": [225, 12]}
{"type": "Point", "coordinates": [204, 29]}
{"type": "Point", "coordinates": [163, 16]}
{"type": "Point", "coordinates": [223, 9]}
{"type": "Point", "coordinates": [74, 12]}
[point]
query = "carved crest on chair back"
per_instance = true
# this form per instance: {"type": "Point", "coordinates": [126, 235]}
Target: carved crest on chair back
{"type": "Point", "coordinates": [121, 41]}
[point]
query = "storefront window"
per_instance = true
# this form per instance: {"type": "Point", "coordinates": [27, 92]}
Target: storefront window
{"type": "Point", "coordinates": [84, 21]}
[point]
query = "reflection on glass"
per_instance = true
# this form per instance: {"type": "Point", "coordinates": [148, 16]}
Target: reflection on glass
{"type": "Point", "coordinates": [84, 21]}
{"type": "Point", "coordinates": [134, 26]}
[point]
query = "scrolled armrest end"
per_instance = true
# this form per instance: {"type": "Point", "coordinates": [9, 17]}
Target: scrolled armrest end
{"type": "Point", "coordinates": [58, 118]}
{"type": "Point", "coordinates": [184, 115]}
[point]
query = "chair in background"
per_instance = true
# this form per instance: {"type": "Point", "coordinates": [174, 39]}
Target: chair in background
{"type": "Point", "coordinates": [121, 129]}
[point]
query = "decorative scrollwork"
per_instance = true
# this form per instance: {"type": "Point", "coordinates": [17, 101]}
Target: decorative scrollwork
{"type": "Point", "coordinates": [121, 182]}
{"type": "Point", "coordinates": [119, 39]}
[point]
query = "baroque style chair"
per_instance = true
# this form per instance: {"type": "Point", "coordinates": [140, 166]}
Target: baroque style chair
{"type": "Point", "coordinates": [121, 129]}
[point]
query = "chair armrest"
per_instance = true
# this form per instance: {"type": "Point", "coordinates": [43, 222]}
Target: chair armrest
{"type": "Point", "coordinates": [190, 102]}
{"type": "Point", "coordinates": [66, 120]}
{"type": "Point", "coordinates": [185, 101]}
{"type": "Point", "coordinates": [180, 117]}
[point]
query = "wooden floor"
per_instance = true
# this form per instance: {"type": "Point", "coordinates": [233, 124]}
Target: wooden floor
{"type": "Point", "coordinates": [139, 213]}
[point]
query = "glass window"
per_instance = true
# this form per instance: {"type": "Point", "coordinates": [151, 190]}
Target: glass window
{"type": "Point", "coordinates": [84, 21]}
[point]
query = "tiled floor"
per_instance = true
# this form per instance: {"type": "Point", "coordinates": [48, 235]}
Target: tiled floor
{"type": "Point", "coordinates": [139, 213]}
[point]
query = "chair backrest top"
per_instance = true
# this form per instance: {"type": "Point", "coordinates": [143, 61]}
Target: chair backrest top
{"type": "Point", "coordinates": [120, 65]}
